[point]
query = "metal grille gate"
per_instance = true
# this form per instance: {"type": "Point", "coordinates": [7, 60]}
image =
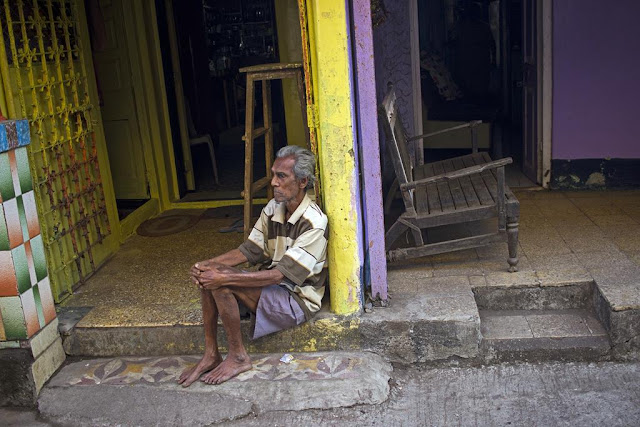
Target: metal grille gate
{"type": "Point", "coordinates": [43, 67]}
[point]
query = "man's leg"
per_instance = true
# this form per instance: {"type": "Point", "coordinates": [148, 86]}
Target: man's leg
{"type": "Point", "coordinates": [211, 357]}
{"type": "Point", "coordinates": [237, 360]}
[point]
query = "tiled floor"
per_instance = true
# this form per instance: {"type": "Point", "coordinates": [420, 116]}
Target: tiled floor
{"type": "Point", "coordinates": [147, 282]}
{"type": "Point", "coordinates": [519, 324]}
{"type": "Point", "coordinates": [563, 237]}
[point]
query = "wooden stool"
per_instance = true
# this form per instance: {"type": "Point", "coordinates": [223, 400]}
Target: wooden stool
{"type": "Point", "coordinates": [264, 73]}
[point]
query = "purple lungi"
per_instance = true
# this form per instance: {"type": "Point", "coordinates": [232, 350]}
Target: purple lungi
{"type": "Point", "coordinates": [277, 310]}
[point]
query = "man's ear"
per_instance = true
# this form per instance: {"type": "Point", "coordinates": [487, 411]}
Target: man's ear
{"type": "Point", "coordinates": [302, 183]}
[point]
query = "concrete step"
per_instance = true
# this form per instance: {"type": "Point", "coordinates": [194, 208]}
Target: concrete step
{"type": "Point", "coordinates": [440, 323]}
{"type": "Point", "coordinates": [538, 335]}
{"type": "Point", "coordinates": [567, 295]}
{"type": "Point", "coordinates": [143, 391]}
{"type": "Point", "coordinates": [92, 336]}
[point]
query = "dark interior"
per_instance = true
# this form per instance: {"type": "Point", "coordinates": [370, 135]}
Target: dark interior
{"type": "Point", "coordinates": [471, 68]}
{"type": "Point", "coordinates": [215, 39]}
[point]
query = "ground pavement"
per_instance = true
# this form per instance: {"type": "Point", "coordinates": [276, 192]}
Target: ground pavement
{"type": "Point", "coordinates": [550, 394]}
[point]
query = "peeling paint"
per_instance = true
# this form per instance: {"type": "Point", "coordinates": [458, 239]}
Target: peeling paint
{"type": "Point", "coordinates": [596, 179]}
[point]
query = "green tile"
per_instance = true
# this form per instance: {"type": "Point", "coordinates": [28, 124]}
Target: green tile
{"type": "Point", "coordinates": [4, 234]}
{"type": "Point", "coordinates": [39, 261]}
{"type": "Point", "coordinates": [36, 297]}
{"type": "Point", "coordinates": [21, 266]}
{"type": "Point", "coordinates": [13, 318]}
{"type": "Point", "coordinates": [6, 181]}
{"type": "Point", "coordinates": [23, 219]}
{"type": "Point", "coordinates": [24, 173]}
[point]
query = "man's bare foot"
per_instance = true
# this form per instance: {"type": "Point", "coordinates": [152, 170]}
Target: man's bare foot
{"type": "Point", "coordinates": [232, 366]}
{"type": "Point", "coordinates": [206, 364]}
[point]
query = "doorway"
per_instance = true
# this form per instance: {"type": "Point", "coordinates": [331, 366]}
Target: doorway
{"type": "Point", "coordinates": [204, 44]}
{"type": "Point", "coordinates": [479, 61]}
{"type": "Point", "coordinates": [118, 81]}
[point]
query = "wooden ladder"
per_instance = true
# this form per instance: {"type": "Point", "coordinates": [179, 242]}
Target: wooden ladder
{"type": "Point", "coordinates": [264, 73]}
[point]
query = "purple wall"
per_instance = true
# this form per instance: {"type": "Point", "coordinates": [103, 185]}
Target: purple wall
{"type": "Point", "coordinates": [596, 79]}
{"type": "Point", "coordinates": [367, 130]}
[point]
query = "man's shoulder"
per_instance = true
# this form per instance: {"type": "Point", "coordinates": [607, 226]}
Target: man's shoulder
{"type": "Point", "coordinates": [270, 208]}
{"type": "Point", "coordinates": [315, 216]}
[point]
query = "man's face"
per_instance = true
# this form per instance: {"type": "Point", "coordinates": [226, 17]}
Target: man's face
{"type": "Point", "coordinates": [285, 185]}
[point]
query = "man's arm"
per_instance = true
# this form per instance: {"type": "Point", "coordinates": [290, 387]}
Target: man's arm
{"type": "Point", "coordinates": [229, 259]}
{"type": "Point", "coordinates": [213, 279]}
{"type": "Point", "coordinates": [232, 258]}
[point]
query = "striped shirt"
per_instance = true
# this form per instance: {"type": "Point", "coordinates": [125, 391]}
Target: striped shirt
{"type": "Point", "coordinates": [296, 247]}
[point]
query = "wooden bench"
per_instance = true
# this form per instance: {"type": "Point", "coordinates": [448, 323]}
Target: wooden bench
{"type": "Point", "coordinates": [453, 191]}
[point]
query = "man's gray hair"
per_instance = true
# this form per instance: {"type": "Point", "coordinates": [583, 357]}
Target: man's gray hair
{"type": "Point", "coordinates": [305, 163]}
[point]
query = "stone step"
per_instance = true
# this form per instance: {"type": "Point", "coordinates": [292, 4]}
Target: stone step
{"type": "Point", "coordinates": [440, 323]}
{"type": "Point", "coordinates": [91, 335]}
{"type": "Point", "coordinates": [143, 390]}
{"type": "Point", "coordinates": [538, 335]}
{"type": "Point", "coordinates": [540, 296]}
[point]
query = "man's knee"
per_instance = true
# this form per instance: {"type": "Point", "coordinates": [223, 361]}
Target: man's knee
{"type": "Point", "coordinates": [223, 292]}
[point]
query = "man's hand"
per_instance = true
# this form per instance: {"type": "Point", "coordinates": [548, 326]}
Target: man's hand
{"type": "Point", "coordinates": [209, 279]}
{"type": "Point", "coordinates": [221, 271]}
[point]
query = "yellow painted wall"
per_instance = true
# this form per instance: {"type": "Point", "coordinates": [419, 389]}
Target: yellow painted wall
{"type": "Point", "coordinates": [332, 93]}
{"type": "Point", "coordinates": [290, 50]}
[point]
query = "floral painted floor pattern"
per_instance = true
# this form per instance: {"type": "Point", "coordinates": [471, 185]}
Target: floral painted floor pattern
{"type": "Point", "coordinates": [152, 370]}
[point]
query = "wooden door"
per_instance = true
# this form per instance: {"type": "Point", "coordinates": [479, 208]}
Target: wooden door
{"type": "Point", "coordinates": [530, 90]}
{"type": "Point", "coordinates": [120, 120]}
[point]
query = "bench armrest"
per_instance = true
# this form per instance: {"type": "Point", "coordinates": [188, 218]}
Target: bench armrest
{"type": "Point", "coordinates": [471, 124]}
{"type": "Point", "coordinates": [471, 170]}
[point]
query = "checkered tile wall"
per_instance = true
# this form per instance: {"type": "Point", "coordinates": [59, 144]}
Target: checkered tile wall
{"type": "Point", "coordinates": [26, 301]}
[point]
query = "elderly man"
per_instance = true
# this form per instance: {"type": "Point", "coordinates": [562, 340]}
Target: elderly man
{"type": "Point", "coordinates": [289, 241]}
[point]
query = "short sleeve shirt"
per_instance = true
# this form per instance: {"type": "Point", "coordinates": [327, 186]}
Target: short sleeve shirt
{"type": "Point", "coordinates": [296, 247]}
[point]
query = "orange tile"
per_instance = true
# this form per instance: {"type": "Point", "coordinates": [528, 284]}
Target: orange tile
{"type": "Point", "coordinates": [12, 217]}
{"type": "Point", "coordinates": [31, 213]}
{"type": "Point", "coordinates": [30, 264]}
{"type": "Point", "coordinates": [46, 298]}
{"type": "Point", "coordinates": [8, 281]}
{"type": "Point", "coordinates": [30, 313]}
{"type": "Point", "coordinates": [14, 172]}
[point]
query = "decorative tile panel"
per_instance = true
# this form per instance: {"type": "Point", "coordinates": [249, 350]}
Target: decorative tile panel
{"type": "Point", "coordinates": [4, 144]}
{"type": "Point", "coordinates": [8, 281]}
{"type": "Point", "coordinates": [12, 218]}
{"type": "Point", "coordinates": [13, 318]}
{"type": "Point", "coordinates": [26, 301]}
{"type": "Point", "coordinates": [12, 134]}
{"type": "Point", "coordinates": [22, 169]}
{"type": "Point", "coordinates": [6, 181]}
{"type": "Point", "coordinates": [4, 233]}
{"type": "Point", "coordinates": [31, 213]}
{"type": "Point", "coordinates": [30, 312]}
{"type": "Point", "coordinates": [46, 299]}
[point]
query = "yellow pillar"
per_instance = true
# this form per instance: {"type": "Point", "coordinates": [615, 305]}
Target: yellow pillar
{"type": "Point", "coordinates": [329, 48]}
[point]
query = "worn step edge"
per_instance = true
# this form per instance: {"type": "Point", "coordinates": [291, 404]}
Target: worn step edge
{"type": "Point", "coordinates": [403, 341]}
{"type": "Point", "coordinates": [587, 348]}
{"type": "Point", "coordinates": [324, 334]}
{"type": "Point", "coordinates": [622, 327]}
{"type": "Point", "coordinates": [117, 394]}
{"type": "Point", "coordinates": [569, 295]}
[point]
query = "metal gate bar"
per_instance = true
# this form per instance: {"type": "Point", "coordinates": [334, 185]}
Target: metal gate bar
{"type": "Point", "coordinates": [41, 47]}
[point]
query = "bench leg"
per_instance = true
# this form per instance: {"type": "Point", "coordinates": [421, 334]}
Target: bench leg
{"type": "Point", "coordinates": [396, 230]}
{"type": "Point", "coordinates": [512, 242]}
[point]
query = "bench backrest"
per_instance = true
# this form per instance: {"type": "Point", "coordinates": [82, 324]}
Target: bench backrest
{"type": "Point", "coordinates": [397, 145]}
